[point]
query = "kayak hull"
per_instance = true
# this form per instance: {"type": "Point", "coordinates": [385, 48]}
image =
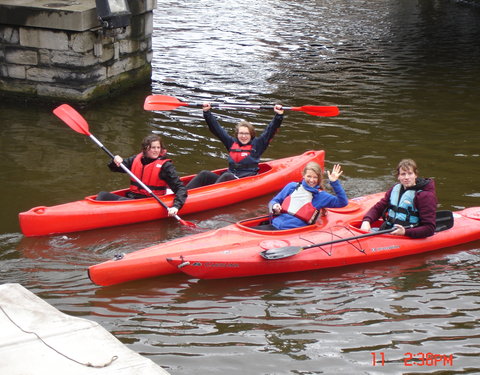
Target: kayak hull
{"type": "Point", "coordinates": [87, 214]}
{"type": "Point", "coordinates": [152, 261]}
{"type": "Point", "coordinates": [247, 261]}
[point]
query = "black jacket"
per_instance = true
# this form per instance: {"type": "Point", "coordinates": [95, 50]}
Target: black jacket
{"type": "Point", "coordinates": [167, 174]}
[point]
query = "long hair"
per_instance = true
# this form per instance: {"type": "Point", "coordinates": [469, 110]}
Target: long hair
{"type": "Point", "coordinates": [315, 168]}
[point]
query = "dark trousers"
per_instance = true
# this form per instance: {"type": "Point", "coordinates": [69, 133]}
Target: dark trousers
{"type": "Point", "coordinates": [205, 177]}
{"type": "Point", "coordinates": [107, 196]}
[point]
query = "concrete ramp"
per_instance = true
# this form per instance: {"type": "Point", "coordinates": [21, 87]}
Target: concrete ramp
{"type": "Point", "coordinates": [36, 338]}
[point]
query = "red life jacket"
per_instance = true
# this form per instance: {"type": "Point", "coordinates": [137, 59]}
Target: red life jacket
{"type": "Point", "coordinates": [149, 174]}
{"type": "Point", "coordinates": [299, 204]}
{"type": "Point", "coordinates": [240, 152]}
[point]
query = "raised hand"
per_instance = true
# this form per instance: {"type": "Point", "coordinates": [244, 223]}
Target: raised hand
{"type": "Point", "coordinates": [278, 109]}
{"type": "Point", "coordinates": [335, 174]}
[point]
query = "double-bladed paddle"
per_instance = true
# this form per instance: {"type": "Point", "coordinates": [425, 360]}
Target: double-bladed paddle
{"type": "Point", "coordinates": [444, 220]}
{"type": "Point", "coordinates": [167, 103]}
{"type": "Point", "coordinates": [288, 251]}
{"type": "Point", "coordinates": [75, 120]}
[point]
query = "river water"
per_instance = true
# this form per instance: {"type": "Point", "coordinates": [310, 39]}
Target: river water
{"type": "Point", "coordinates": [406, 77]}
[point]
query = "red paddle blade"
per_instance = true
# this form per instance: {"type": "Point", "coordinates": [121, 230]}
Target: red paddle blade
{"type": "Point", "coordinates": [162, 103]}
{"type": "Point", "coordinates": [315, 110]}
{"type": "Point", "coordinates": [188, 223]}
{"type": "Point", "coordinates": [72, 118]}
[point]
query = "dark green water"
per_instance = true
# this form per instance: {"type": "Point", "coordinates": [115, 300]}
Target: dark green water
{"type": "Point", "coordinates": [406, 77]}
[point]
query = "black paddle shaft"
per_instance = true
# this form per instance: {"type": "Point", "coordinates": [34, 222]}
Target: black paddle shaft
{"type": "Point", "coordinates": [444, 221]}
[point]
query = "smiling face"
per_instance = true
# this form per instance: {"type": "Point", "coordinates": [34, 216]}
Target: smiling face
{"type": "Point", "coordinates": [311, 178]}
{"type": "Point", "coordinates": [407, 177]}
{"type": "Point", "coordinates": [154, 150]}
{"type": "Point", "coordinates": [244, 135]}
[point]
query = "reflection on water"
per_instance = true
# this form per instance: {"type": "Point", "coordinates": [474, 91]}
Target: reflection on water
{"type": "Point", "coordinates": [405, 76]}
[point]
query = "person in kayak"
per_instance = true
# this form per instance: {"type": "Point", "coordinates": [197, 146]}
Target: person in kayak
{"type": "Point", "coordinates": [300, 204]}
{"type": "Point", "coordinates": [409, 206]}
{"type": "Point", "coordinates": [154, 169]}
{"type": "Point", "coordinates": [245, 149]}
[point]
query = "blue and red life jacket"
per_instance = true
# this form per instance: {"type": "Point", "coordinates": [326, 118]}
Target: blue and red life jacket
{"type": "Point", "coordinates": [299, 204]}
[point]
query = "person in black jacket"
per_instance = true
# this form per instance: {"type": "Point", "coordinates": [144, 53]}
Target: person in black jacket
{"type": "Point", "coordinates": [154, 169]}
{"type": "Point", "coordinates": [245, 149]}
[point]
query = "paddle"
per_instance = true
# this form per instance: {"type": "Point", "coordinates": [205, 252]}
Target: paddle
{"type": "Point", "coordinates": [167, 103]}
{"type": "Point", "coordinates": [444, 220]}
{"type": "Point", "coordinates": [75, 120]}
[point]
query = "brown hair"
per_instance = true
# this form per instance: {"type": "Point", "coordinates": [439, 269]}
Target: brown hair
{"type": "Point", "coordinates": [149, 139]}
{"type": "Point", "coordinates": [406, 164]}
{"type": "Point", "coordinates": [246, 124]}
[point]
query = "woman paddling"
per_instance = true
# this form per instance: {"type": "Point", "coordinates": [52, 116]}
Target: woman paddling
{"type": "Point", "coordinates": [154, 169]}
{"type": "Point", "coordinates": [409, 206]}
{"type": "Point", "coordinates": [299, 204]}
{"type": "Point", "coordinates": [245, 149]}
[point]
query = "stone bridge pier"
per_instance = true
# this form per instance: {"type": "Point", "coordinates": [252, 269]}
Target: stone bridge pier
{"type": "Point", "coordinates": [54, 50]}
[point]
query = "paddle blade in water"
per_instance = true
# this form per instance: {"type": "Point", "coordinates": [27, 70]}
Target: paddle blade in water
{"type": "Point", "coordinates": [188, 223]}
{"type": "Point", "coordinates": [72, 118]}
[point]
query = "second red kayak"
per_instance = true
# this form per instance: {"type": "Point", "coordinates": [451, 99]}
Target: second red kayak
{"type": "Point", "coordinates": [338, 246]}
{"type": "Point", "coordinates": [152, 261]}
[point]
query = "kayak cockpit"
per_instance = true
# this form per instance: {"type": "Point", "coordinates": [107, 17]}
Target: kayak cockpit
{"type": "Point", "coordinates": [263, 168]}
{"type": "Point", "coordinates": [263, 224]}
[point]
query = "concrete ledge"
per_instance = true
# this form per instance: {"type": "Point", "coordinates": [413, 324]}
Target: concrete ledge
{"type": "Point", "coordinates": [38, 339]}
{"type": "Point", "coordinates": [52, 14]}
{"type": "Point", "coordinates": [72, 15]}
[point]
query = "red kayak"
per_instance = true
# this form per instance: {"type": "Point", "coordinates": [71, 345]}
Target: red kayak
{"type": "Point", "coordinates": [338, 246]}
{"type": "Point", "coordinates": [88, 213]}
{"type": "Point", "coordinates": [152, 261]}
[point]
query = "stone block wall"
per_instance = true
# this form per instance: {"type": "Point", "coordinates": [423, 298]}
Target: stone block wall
{"type": "Point", "coordinates": [64, 54]}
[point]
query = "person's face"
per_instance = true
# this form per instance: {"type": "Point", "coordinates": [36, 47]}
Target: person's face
{"type": "Point", "coordinates": [407, 177]}
{"type": "Point", "coordinates": [154, 150]}
{"type": "Point", "coordinates": [311, 178]}
{"type": "Point", "coordinates": [243, 135]}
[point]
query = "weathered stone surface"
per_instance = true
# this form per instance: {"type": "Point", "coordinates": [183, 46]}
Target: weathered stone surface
{"type": "Point", "coordinates": [3, 71]}
{"type": "Point", "coordinates": [21, 56]}
{"type": "Point", "coordinates": [67, 77]}
{"type": "Point", "coordinates": [60, 15]}
{"type": "Point", "coordinates": [72, 59]}
{"type": "Point", "coordinates": [82, 42]}
{"type": "Point", "coordinates": [39, 38]}
{"type": "Point", "coordinates": [69, 94]}
{"type": "Point", "coordinates": [125, 65]}
{"type": "Point", "coordinates": [9, 35]}
{"type": "Point", "coordinates": [129, 46]}
{"type": "Point", "coordinates": [18, 72]}
{"type": "Point", "coordinates": [57, 50]}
